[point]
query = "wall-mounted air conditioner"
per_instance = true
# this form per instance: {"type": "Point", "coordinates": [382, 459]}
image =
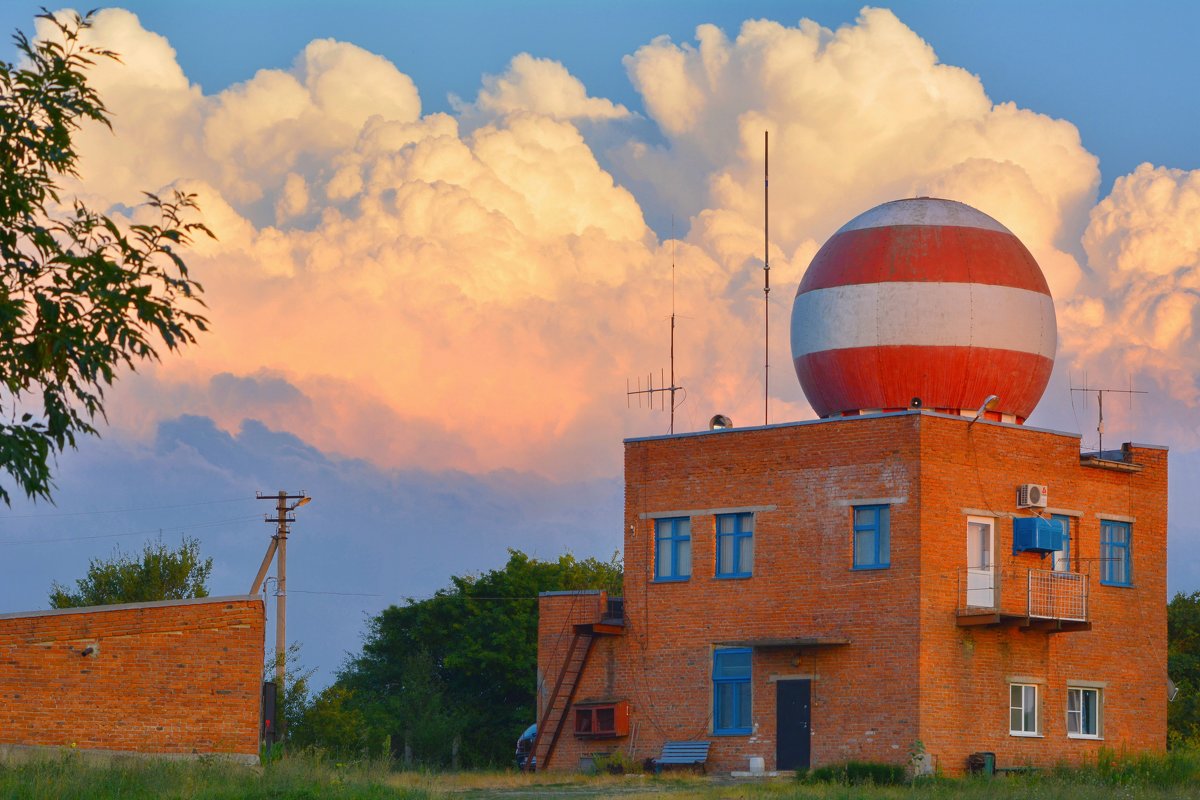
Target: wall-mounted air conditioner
{"type": "Point", "coordinates": [1032, 495]}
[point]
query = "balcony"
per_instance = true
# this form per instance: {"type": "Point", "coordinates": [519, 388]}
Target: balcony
{"type": "Point", "coordinates": [1029, 598]}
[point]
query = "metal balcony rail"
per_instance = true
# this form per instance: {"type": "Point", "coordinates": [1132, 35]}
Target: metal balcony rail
{"type": "Point", "coordinates": [1057, 595]}
{"type": "Point", "coordinates": [1047, 594]}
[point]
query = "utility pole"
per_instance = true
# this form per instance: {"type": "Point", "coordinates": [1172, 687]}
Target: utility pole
{"type": "Point", "coordinates": [278, 546]}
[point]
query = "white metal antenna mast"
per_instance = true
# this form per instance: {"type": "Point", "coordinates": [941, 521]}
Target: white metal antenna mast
{"type": "Point", "coordinates": [1100, 405]}
{"type": "Point", "coordinates": [670, 389]}
{"type": "Point", "coordinates": [766, 289]}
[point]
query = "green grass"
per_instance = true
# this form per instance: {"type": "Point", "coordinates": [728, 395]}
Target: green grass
{"type": "Point", "coordinates": [1174, 775]}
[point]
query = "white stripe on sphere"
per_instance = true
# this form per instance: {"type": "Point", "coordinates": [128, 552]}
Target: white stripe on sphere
{"type": "Point", "coordinates": [924, 211]}
{"type": "Point", "coordinates": [919, 313]}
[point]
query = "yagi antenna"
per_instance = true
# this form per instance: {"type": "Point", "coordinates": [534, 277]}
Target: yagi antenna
{"type": "Point", "coordinates": [1100, 404]}
{"type": "Point", "coordinates": [663, 389]}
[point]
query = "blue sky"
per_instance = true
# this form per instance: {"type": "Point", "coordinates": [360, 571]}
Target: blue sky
{"type": "Point", "coordinates": [410, 325]}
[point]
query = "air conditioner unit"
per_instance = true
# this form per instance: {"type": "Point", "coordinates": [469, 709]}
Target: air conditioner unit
{"type": "Point", "coordinates": [1032, 495]}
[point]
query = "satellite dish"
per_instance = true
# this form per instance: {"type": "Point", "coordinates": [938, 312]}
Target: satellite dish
{"type": "Point", "coordinates": [720, 422]}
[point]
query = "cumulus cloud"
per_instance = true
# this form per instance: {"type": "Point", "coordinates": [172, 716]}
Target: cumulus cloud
{"type": "Point", "coordinates": [856, 116]}
{"type": "Point", "coordinates": [1139, 319]}
{"type": "Point", "coordinates": [473, 290]}
{"type": "Point", "coordinates": [543, 87]}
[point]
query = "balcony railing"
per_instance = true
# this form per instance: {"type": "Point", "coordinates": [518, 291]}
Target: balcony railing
{"type": "Point", "coordinates": [994, 595]}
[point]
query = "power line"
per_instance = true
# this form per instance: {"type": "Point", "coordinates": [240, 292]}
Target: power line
{"type": "Point", "coordinates": [176, 529]}
{"type": "Point", "coordinates": [57, 514]}
{"type": "Point", "coordinates": [339, 594]}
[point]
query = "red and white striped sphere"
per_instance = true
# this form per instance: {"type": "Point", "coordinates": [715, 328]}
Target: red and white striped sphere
{"type": "Point", "coordinates": [927, 300]}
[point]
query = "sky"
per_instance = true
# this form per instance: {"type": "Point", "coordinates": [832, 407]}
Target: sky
{"type": "Point", "coordinates": [444, 243]}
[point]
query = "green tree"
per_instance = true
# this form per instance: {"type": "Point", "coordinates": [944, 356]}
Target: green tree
{"type": "Point", "coordinates": [462, 665]}
{"type": "Point", "coordinates": [80, 295]}
{"type": "Point", "coordinates": [158, 573]}
{"type": "Point", "coordinates": [332, 723]}
{"type": "Point", "coordinates": [1183, 665]}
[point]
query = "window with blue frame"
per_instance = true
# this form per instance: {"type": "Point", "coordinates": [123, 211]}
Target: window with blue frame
{"type": "Point", "coordinates": [735, 545]}
{"type": "Point", "coordinates": [672, 549]}
{"type": "Point", "coordinates": [731, 691]}
{"type": "Point", "coordinates": [1115, 551]}
{"type": "Point", "coordinates": [872, 545]}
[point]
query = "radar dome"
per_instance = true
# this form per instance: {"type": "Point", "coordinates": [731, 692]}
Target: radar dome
{"type": "Point", "coordinates": [923, 303]}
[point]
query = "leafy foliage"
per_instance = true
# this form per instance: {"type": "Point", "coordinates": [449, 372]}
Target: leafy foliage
{"type": "Point", "coordinates": [159, 573]}
{"type": "Point", "coordinates": [80, 295]}
{"type": "Point", "coordinates": [461, 665]}
{"type": "Point", "coordinates": [1183, 666]}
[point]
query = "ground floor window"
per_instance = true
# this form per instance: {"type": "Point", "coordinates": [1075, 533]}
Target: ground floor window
{"type": "Point", "coordinates": [1023, 709]}
{"type": "Point", "coordinates": [1083, 713]}
{"type": "Point", "coordinates": [731, 691]}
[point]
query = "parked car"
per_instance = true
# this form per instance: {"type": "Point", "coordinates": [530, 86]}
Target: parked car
{"type": "Point", "coordinates": [525, 756]}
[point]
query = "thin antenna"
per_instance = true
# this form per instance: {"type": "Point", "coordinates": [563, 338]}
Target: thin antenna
{"type": "Point", "coordinates": [766, 288]}
{"type": "Point", "coordinates": [1100, 405]}
{"type": "Point", "coordinates": [650, 391]}
{"type": "Point", "coordinates": [672, 428]}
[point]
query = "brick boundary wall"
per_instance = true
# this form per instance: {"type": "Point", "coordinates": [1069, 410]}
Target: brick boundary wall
{"type": "Point", "coordinates": [177, 678]}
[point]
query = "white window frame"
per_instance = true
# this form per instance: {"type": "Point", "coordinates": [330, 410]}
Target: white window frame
{"type": "Point", "coordinates": [1099, 721]}
{"type": "Point", "coordinates": [1037, 715]}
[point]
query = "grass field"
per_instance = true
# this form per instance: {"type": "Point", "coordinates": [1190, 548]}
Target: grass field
{"type": "Point", "coordinates": [1176, 775]}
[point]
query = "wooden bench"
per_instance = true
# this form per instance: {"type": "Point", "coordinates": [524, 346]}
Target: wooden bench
{"type": "Point", "coordinates": [687, 754]}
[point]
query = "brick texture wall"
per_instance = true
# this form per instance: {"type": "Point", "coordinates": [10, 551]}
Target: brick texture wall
{"type": "Point", "coordinates": [176, 677]}
{"type": "Point", "coordinates": [909, 672]}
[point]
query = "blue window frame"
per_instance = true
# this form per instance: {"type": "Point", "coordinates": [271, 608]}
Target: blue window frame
{"type": "Point", "coordinates": [1115, 552]}
{"type": "Point", "coordinates": [672, 549]}
{"type": "Point", "coordinates": [872, 537]}
{"type": "Point", "coordinates": [1062, 558]}
{"type": "Point", "coordinates": [735, 545]}
{"type": "Point", "coordinates": [731, 691]}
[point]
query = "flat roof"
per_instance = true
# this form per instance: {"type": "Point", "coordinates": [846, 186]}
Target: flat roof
{"type": "Point", "coordinates": [910, 412]}
{"type": "Point", "coordinates": [191, 601]}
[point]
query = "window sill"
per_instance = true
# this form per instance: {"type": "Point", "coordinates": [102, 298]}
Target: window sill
{"type": "Point", "coordinates": [1019, 735]}
{"type": "Point", "coordinates": [1119, 585]}
{"type": "Point", "coordinates": [734, 732]}
{"type": "Point", "coordinates": [734, 576]}
{"type": "Point", "coordinates": [683, 579]}
{"type": "Point", "coordinates": [1085, 737]}
{"type": "Point", "coordinates": [864, 567]}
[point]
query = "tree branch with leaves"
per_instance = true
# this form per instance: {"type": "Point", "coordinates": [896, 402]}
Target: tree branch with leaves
{"type": "Point", "coordinates": [81, 296]}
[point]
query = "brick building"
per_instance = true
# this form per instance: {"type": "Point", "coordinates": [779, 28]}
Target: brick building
{"type": "Point", "coordinates": [171, 678]}
{"type": "Point", "coordinates": [902, 576]}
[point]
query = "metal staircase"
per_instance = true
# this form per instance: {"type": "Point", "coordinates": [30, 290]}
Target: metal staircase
{"type": "Point", "coordinates": [555, 716]}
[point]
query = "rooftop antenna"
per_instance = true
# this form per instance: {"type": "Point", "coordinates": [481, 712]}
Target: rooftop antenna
{"type": "Point", "coordinates": [766, 288]}
{"type": "Point", "coordinates": [1100, 404]}
{"type": "Point", "coordinates": [663, 388]}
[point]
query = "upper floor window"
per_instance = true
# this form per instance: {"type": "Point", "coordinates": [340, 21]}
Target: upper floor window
{"type": "Point", "coordinates": [1116, 566]}
{"type": "Point", "coordinates": [872, 546]}
{"type": "Point", "coordinates": [735, 545]}
{"type": "Point", "coordinates": [1023, 709]}
{"type": "Point", "coordinates": [672, 549]}
{"type": "Point", "coordinates": [731, 691]}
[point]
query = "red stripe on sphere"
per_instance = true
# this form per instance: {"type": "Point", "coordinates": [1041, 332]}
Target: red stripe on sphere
{"type": "Point", "coordinates": [930, 253]}
{"type": "Point", "coordinates": [889, 377]}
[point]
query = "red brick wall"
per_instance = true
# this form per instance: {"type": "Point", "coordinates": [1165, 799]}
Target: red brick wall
{"type": "Point", "coordinates": [964, 671]}
{"type": "Point", "coordinates": [173, 677]}
{"type": "Point", "coordinates": [909, 671]}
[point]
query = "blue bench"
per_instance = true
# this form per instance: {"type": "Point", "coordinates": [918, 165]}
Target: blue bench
{"type": "Point", "coordinates": [686, 754]}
